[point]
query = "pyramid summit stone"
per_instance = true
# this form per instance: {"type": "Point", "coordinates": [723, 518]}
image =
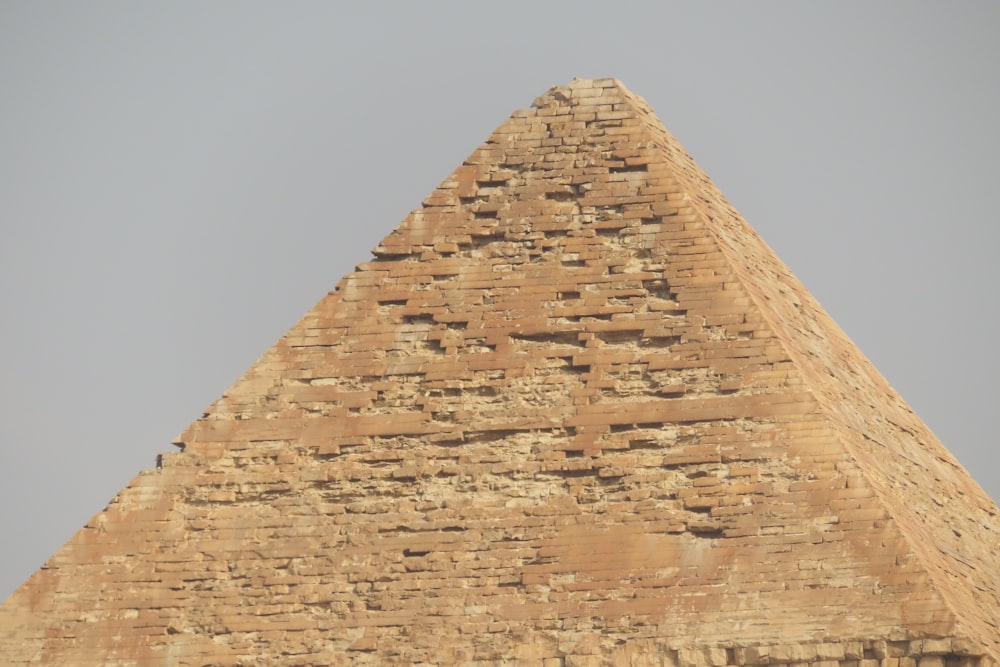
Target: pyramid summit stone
{"type": "Point", "coordinates": [574, 412]}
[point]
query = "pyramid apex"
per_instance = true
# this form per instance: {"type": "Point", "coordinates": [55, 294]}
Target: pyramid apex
{"type": "Point", "coordinates": [561, 94]}
{"type": "Point", "coordinates": [574, 411]}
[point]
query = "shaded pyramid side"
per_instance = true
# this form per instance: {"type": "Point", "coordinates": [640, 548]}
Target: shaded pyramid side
{"type": "Point", "coordinates": [947, 517]}
{"type": "Point", "coordinates": [554, 418]}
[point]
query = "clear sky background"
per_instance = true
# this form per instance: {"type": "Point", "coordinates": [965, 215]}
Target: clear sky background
{"type": "Point", "coordinates": [180, 182]}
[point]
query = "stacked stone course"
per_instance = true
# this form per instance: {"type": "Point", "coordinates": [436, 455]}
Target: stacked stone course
{"type": "Point", "coordinates": [574, 412]}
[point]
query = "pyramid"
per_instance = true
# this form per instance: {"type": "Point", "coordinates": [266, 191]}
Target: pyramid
{"type": "Point", "coordinates": [573, 412]}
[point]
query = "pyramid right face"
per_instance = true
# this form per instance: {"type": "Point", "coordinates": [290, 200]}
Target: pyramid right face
{"type": "Point", "coordinates": [574, 409]}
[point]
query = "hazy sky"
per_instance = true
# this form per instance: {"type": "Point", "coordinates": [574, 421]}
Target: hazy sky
{"type": "Point", "coordinates": [180, 182]}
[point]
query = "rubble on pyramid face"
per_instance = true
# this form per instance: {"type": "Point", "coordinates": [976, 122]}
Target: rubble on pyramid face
{"type": "Point", "coordinates": [561, 417]}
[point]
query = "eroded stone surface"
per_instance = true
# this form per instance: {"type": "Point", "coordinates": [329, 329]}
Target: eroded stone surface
{"type": "Point", "coordinates": [574, 412]}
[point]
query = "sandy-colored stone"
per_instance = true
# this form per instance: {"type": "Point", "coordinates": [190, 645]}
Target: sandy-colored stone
{"type": "Point", "coordinates": [574, 412]}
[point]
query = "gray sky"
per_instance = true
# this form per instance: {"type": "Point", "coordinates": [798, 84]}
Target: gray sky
{"type": "Point", "coordinates": [180, 182]}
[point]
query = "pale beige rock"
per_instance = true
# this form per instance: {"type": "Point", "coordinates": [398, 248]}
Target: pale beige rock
{"type": "Point", "coordinates": [574, 412]}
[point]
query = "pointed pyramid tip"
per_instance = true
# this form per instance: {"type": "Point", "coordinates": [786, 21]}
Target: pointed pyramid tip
{"type": "Point", "coordinates": [573, 390]}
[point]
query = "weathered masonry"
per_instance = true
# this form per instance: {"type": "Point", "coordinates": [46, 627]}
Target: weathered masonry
{"type": "Point", "coordinates": [573, 412]}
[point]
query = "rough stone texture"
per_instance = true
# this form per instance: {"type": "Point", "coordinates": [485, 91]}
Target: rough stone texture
{"type": "Point", "coordinates": [574, 412]}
